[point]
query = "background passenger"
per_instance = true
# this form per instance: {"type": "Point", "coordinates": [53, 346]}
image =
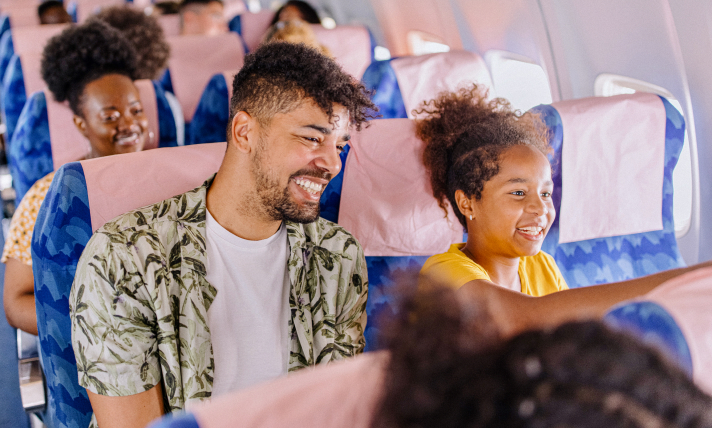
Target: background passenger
{"type": "Point", "coordinates": [53, 12]}
{"type": "Point", "coordinates": [202, 17]}
{"type": "Point", "coordinates": [93, 67]}
{"type": "Point", "coordinates": [295, 31]}
{"type": "Point", "coordinates": [145, 34]}
{"type": "Point", "coordinates": [296, 9]}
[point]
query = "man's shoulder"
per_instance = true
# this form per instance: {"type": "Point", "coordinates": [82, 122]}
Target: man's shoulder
{"type": "Point", "coordinates": [328, 235]}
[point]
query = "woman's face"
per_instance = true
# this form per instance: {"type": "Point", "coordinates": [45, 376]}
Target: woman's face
{"type": "Point", "coordinates": [113, 120]}
{"type": "Point", "coordinates": [516, 210]}
{"type": "Point", "coordinates": [290, 13]}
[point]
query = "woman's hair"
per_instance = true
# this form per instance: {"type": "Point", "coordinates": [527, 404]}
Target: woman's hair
{"type": "Point", "coordinates": [446, 371]}
{"type": "Point", "coordinates": [308, 13]}
{"type": "Point", "coordinates": [464, 135]}
{"type": "Point", "coordinates": [145, 34]}
{"type": "Point", "coordinates": [82, 54]}
{"type": "Point", "coordinates": [295, 32]}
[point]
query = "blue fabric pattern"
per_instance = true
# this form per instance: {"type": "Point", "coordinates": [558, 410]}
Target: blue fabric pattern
{"type": "Point", "coordinates": [618, 258]}
{"type": "Point", "coordinates": [13, 95]}
{"type": "Point", "coordinates": [181, 420]}
{"type": "Point", "coordinates": [29, 152]}
{"type": "Point", "coordinates": [168, 136]}
{"type": "Point", "coordinates": [166, 82]}
{"type": "Point", "coordinates": [652, 324]}
{"type": "Point", "coordinates": [380, 79]}
{"type": "Point", "coordinates": [4, 24]}
{"type": "Point", "coordinates": [209, 123]}
{"type": "Point", "coordinates": [61, 233]}
{"type": "Point", "coordinates": [7, 50]}
{"type": "Point", "coordinates": [331, 198]}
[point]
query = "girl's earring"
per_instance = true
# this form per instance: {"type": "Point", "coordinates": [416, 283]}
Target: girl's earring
{"type": "Point", "coordinates": [470, 217]}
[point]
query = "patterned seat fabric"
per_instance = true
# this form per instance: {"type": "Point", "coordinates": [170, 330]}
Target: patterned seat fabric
{"type": "Point", "coordinates": [210, 121]}
{"type": "Point", "coordinates": [30, 150]}
{"type": "Point", "coordinates": [604, 260]}
{"type": "Point", "coordinates": [7, 50]}
{"type": "Point", "coordinates": [13, 95]}
{"type": "Point", "coordinates": [4, 24]}
{"type": "Point", "coordinates": [381, 80]}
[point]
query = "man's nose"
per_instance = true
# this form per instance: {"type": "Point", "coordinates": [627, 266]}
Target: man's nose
{"type": "Point", "coordinates": [329, 159]}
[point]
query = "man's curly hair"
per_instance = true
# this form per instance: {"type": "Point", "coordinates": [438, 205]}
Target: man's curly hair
{"type": "Point", "coordinates": [448, 370]}
{"type": "Point", "coordinates": [145, 34]}
{"type": "Point", "coordinates": [464, 135]}
{"type": "Point", "coordinates": [280, 75]}
{"type": "Point", "coordinates": [82, 54]}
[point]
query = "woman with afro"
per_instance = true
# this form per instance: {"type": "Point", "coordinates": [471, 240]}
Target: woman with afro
{"type": "Point", "coordinates": [92, 67]}
{"type": "Point", "coordinates": [489, 163]}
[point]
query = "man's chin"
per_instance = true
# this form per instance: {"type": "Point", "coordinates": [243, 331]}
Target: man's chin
{"type": "Point", "coordinates": [304, 214]}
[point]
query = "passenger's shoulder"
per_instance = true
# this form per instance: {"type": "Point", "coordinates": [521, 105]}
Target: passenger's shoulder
{"type": "Point", "coordinates": [542, 258]}
{"type": "Point", "coordinates": [330, 236]}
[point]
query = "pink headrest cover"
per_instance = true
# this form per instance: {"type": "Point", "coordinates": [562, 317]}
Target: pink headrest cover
{"type": "Point", "coordinates": [31, 72]}
{"type": "Point", "coordinates": [254, 27]}
{"type": "Point", "coordinates": [688, 299]}
{"type": "Point", "coordinates": [342, 394]}
{"type": "Point", "coordinates": [422, 78]}
{"type": "Point", "coordinates": [69, 145]}
{"type": "Point", "coordinates": [350, 45]}
{"type": "Point", "coordinates": [195, 59]}
{"type": "Point", "coordinates": [170, 24]}
{"type": "Point", "coordinates": [87, 8]}
{"type": "Point", "coordinates": [612, 166]}
{"type": "Point", "coordinates": [386, 200]}
{"type": "Point", "coordinates": [233, 8]}
{"type": "Point", "coordinates": [118, 184]}
{"type": "Point", "coordinates": [35, 38]}
{"type": "Point", "coordinates": [21, 15]}
{"type": "Point", "coordinates": [229, 78]}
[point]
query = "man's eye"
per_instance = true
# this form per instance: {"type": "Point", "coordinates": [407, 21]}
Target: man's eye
{"type": "Point", "coordinates": [340, 149]}
{"type": "Point", "coordinates": [312, 139]}
{"type": "Point", "coordinates": [518, 193]}
{"type": "Point", "coordinates": [546, 194]}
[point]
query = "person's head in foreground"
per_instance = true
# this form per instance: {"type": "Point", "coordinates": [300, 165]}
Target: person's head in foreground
{"type": "Point", "coordinates": [202, 17]}
{"type": "Point", "coordinates": [448, 369]}
{"type": "Point", "coordinates": [146, 36]}
{"type": "Point", "coordinates": [53, 12]}
{"type": "Point", "coordinates": [291, 114]}
{"type": "Point", "coordinates": [295, 31]}
{"type": "Point", "coordinates": [296, 10]}
{"type": "Point", "coordinates": [92, 67]}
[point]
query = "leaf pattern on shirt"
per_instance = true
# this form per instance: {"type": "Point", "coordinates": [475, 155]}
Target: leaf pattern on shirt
{"type": "Point", "coordinates": [139, 301]}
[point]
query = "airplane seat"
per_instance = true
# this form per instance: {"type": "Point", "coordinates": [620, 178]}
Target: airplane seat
{"type": "Point", "coordinates": [402, 84]}
{"type": "Point", "coordinates": [21, 14]}
{"type": "Point", "coordinates": [7, 50]}
{"type": "Point", "coordinates": [80, 10]}
{"type": "Point", "coordinates": [251, 27]}
{"type": "Point", "coordinates": [4, 24]}
{"type": "Point", "coordinates": [45, 137]}
{"type": "Point", "coordinates": [212, 114]}
{"type": "Point", "coordinates": [82, 197]}
{"type": "Point", "coordinates": [674, 318]}
{"type": "Point", "coordinates": [13, 95]}
{"type": "Point", "coordinates": [631, 250]}
{"type": "Point", "coordinates": [386, 203]}
{"type": "Point", "coordinates": [352, 46]}
{"type": "Point", "coordinates": [170, 24]}
{"type": "Point", "coordinates": [194, 60]}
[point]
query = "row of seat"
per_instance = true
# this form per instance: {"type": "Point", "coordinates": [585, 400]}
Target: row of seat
{"type": "Point", "coordinates": [398, 228]}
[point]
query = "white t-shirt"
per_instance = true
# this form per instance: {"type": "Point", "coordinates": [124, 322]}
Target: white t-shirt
{"type": "Point", "coordinates": [249, 317]}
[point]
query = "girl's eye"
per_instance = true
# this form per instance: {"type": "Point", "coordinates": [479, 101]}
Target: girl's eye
{"type": "Point", "coordinates": [137, 111]}
{"type": "Point", "coordinates": [110, 118]}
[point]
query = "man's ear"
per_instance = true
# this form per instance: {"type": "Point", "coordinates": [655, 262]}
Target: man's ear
{"type": "Point", "coordinates": [243, 132]}
{"type": "Point", "coordinates": [81, 125]}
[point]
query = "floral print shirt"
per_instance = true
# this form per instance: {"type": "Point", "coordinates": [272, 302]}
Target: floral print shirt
{"type": "Point", "coordinates": [139, 301]}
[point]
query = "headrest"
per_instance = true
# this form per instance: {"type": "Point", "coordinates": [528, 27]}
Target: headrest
{"type": "Point", "coordinates": [229, 78]}
{"type": "Point", "coordinates": [24, 15]}
{"type": "Point", "coordinates": [687, 299]}
{"type": "Point", "coordinates": [69, 145]}
{"type": "Point", "coordinates": [118, 184]}
{"type": "Point", "coordinates": [232, 8]}
{"type": "Point", "coordinates": [86, 8]}
{"type": "Point", "coordinates": [170, 24]}
{"type": "Point", "coordinates": [613, 162]}
{"type": "Point", "coordinates": [195, 59]}
{"type": "Point", "coordinates": [386, 199]}
{"type": "Point", "coordinates": [34, 39]}
{"type": "Point", "coordinates": [350, 45]}
{"type": "Point", "coordinates": [254, 26]}
{"type": "Point", "coordinates": [422, 78]}
{"type": "Point", "coordinates": [31, 72]}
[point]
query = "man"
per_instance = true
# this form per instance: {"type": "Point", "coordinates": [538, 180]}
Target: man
{"type": "Point", "coordinates": [239, 280]}
{"type": "Point", "coordinates": [202, 17]}
{"type": "Point", "coordinates": [53, 12]}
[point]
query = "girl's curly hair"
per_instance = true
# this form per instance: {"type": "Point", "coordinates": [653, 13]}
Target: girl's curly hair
{"type": "Point", "coordinates": [465, 134]}
{"type": "Point", "coordinates": [145, 34]}
{"type": "Point", "coordinates": [82, 54]}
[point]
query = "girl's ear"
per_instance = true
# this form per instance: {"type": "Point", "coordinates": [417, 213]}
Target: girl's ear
{"type": "Point", "coordinates": [464, 204]}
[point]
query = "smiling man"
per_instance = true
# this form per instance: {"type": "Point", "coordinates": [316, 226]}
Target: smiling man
{"type": "Point", "coordinates": [239, 280]}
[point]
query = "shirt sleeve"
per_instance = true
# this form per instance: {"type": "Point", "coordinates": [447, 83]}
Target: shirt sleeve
{"type": "Point", "coordinates": [452, 270]}
{"type": "Point", "coordinates": [351, 319]}
{"type": "Point", "coordinates": [113, 325]}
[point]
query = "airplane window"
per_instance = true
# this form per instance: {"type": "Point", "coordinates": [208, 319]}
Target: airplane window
{"type": "Point", "coordinates": [328, 23]}
{"type": "Point", "coordinates": [421, 43]}
{"type": "Point", "coordinates": [518, 79]}
{"type": "Point", "coordinates": [610, 84]}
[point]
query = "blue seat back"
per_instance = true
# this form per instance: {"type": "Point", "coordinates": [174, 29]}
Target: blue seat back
{"type": "Point", "coordinates": [604, 260]}
{"type": "Point", "coordinates": [13, 95]}
{"type": "Point", "coordinates": [381, 80]}
{"type": "Point", "coordinates": [30, 150]}
{"type": "Point", "coordinates": [7, 50]}
{"type": "Point", "coordinates": [209, 124]}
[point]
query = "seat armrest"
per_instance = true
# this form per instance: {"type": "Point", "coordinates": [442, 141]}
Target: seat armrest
{"type": "Point", "coordinates": [32, 382]}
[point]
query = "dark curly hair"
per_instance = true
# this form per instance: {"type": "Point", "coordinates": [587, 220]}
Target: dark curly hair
{"type": "Point", "coordinates": [279, 75]}
{"type": "Point", "coordinates": [309, 14]}
{"type": "Point", "coordinates": [464, 135]}
{"type": "Point", "coordinates": [145, 34]}
{"type": "Point", "coordinates": [82, 54]}
{"type": "Point", "coordinates": [445, 371]}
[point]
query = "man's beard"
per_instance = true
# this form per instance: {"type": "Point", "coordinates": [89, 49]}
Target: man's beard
{"type": "Point", "coordinates": [277, 202]}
